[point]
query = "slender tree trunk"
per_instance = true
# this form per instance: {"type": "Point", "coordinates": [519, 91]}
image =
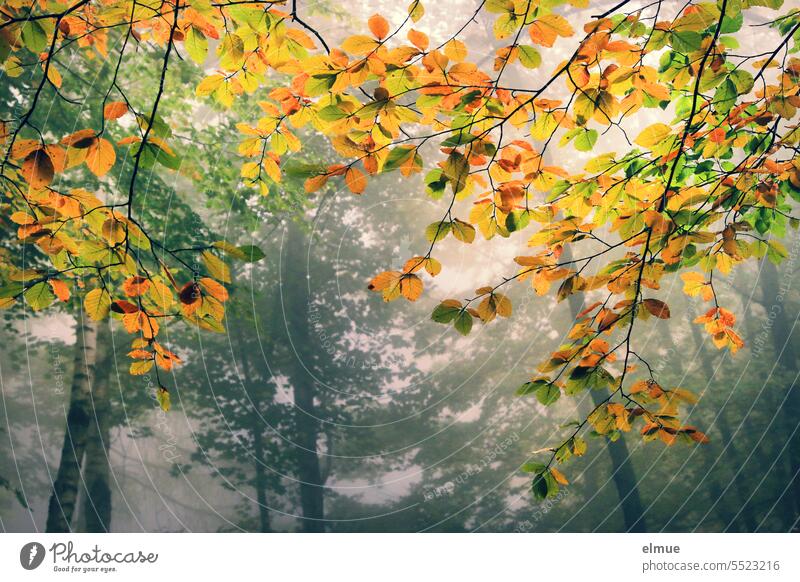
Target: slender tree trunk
{"type": "Point", "coordinates": [623, 473]}
{"type": "Point", "coordinates": [97, 501]}
{"type": "Point", "coordinates": [257, 431]}
{"type": "Point", "coordinates": [261, 480]}
{"type": "Point", "coordinates": [726, 434]}
{"type": "Point", "coordinates": [295, 290]}
{"type": "Point", "coordinates": [65, 487]}
{"type": "Point", "coordinates": [775, 298]}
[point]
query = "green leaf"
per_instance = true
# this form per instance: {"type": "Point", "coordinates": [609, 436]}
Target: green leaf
{"type": "Point", "coordinates": [731, 22]}
{"type": "Point", "coordinates": [249, 253]}
{"type": "Point", "coordinates": [39, 296]}
{"type": "Point", "coordinates": [34, 36]}
{"type": "Point", "coordinates": [777, 252]}
{"type": "Point", "coordinates": [332, 113]}
{"type": "Point", "coordinates": [533, 467]}
{"type": "Point", "coordinates": [437, 231]}
{"type": "Point", "coordinates": [588, 378]}
{"type": "Point", "coordinates": [463, 231]}
{"type": "Point", "coordinates": [725, 97]}
{"type": "Point", "coordinates": [397, 157]}
{"type": "Point", "coordinates": [529, 57]}
{"type": "Point", "coordinates": [456, 170]}
{"type": "Point", "coordinates": [162, 395]}
{"type": "Point", "coordinates": [196, 45]}
{"type": "Point", "coordinates": [446, 312]}
{"type": "Point", "coordinates": [548, 393]}
{"type": "Point", "coordinates": [686, 41]}
{"type": "Point", "coordinates": [463, 323]}
{"type": "Point", "coordinates": [319, 84]}
{"type": "Point", "coordinates": [165, 158]}
{"type": "Point", "coordinates": [541, 487]}
{"type": "Point", "coordinates": [742, 80]}
{"type": "Point", "coordinates": [252, 253]}
{"type": "Point", "coordinates": [586, 140]}
{"type": "Point", "coordinates": [435, 184]}
{"type": "Point", "coordinates": [11, 290]}
{"type": "Point", "coordinates": [531, 387]}
{"type": "Point", "coordinates": [517, 220]}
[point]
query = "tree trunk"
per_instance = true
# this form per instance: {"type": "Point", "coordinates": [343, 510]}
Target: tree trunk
{"type": "Point", "coordinates": [97, 501]}
{"type": "Point", "coordinates": [296, 301]}
{"type": "Point", "coordinates": [786, 358]}
{"type": "Point", "coordinates": [65, 487]}
{"type": "Point", "coordinates": [726, 434]}
{"type": "Point", "coordinates": [257, 431]}
{"type": "Point", "coordinates": [623, 473]}
{"type": "Point", "coordinates": [261, 480]}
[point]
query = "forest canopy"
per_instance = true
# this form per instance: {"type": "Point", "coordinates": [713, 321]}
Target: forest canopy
{"type": "Point", "coordinates": [632, 144]}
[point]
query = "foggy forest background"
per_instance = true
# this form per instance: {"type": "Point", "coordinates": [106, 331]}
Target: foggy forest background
{"type": "Point", "coordinates": [325, 409]}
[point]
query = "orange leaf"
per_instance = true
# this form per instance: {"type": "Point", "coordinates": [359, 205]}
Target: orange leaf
{"type": "Point", "coordinates": [717, 135]}
{"type": "Point", "coordinates": [418, 39]}
{"type": "Point", "coordinates": [379, 26]}
{"type": "Point", "coordinates": [355, 180]}
{"type": "Point", "coordinates": [411, 287]}
{"type": "Point", "coordinates": [384, 280]}
{"type": "Point", "coordinates": [315, 183]}
{"type": "Point", "coordinates": [100, 157]}
{"type": "Point", "coordinates": [215, 289]}
{"type": "Point", "coordinates": [80, 139]}
{"type": "Point", "coordinates": [60, 289]}
{"type": "Point", "coordinates": [115, 110]}
{"type": "Point", "coordinates": [135, 286]}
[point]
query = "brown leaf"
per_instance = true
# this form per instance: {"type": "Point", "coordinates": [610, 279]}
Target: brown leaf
{"type": "Point", "coordinates": [657, 308]}
{"type": "Point", "coordinates": [38, 169]}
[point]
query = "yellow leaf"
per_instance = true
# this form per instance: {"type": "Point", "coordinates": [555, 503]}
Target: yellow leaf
{"type": "Point", "coordinates": [208, 85]}
{"type": "Point", "coordinates": [559, 476]}
{"type": "Point", "coordinates": [695, 284]}
{"type": "Point", "coordinates": [216, 267]}
{"type": "Point", "coordinates": [455, 50]}
{"type": "Point", "coordinates": [653, 135]}
{"type": "Point", "coordinates": [359, 45]}
{"type": "Point", "coordinates": [96, 303]}
{"type": "Point", "coordinates": [388, 283]}
{"type": "Point", "coordinates": [141, 367]}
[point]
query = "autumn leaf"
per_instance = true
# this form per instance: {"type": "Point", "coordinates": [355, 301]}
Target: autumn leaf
{"type": "Point", "coordinates": [115, 109]}
{"type": "Point", "coordinates": [657, 308]}
{"type": "Point", "coordinates": [96, 304]}
{"type": "Point", "coordinates": [379, 26]}
{"type": "Point", "coordinates": [38, 169]}
{"type": "Point", "coordinates": [100, 157]}
{"type": "Point", "coordinates": [355, 180]}
{"type": "Point", "coordinates": [135, 286]}
{"type": "Point", "coordinates": [653, 135]}
{"type": "Point", "coordinates": [216, 267]}
{"type": "Point", "coordinates": [60, 289]}
{"type": "Point", "coordinates": [418, 39]}
{"type": "Point", "coordinates": [695, 284]}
